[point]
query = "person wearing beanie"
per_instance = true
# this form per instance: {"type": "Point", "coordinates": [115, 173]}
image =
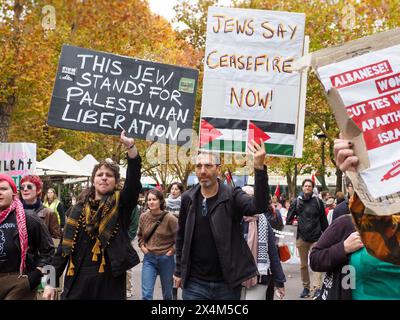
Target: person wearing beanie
{"type": "Point", "coordinates": [30, 190]}
{"type": "Point", "coordinates": [24, 246]}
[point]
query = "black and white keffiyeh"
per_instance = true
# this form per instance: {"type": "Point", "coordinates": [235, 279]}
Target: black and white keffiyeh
{"type": "Point", "coordinates": [263, 262]}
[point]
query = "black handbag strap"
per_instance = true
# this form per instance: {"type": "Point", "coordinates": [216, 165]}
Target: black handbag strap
{"type": "Point", "coordinates": [158, 222]}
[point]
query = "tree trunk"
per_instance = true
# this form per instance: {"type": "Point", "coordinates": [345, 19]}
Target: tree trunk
{"type": "Point", "coordinates": [5, 119]}
{"type": "Point", "coordinates": [295, 180]}
{"type": "Point", "coordinates": [292, 182]}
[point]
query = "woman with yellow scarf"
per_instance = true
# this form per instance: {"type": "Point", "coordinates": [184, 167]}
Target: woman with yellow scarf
{"type": "Point", "coordinates": [95, 245]}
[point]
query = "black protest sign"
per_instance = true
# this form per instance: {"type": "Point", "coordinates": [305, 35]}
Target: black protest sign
{"type": "Point", "coordinates": [101, 92]}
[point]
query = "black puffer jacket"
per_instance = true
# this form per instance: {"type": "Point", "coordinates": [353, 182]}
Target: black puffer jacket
{"type": "Point", "coordinates": [237, 262]}
{"type": "Point", "coordinates": [310, 215]}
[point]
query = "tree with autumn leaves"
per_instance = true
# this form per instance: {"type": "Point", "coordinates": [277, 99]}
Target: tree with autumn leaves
{"type": "Point", "coordinates": [33, 32]}
{"type": "Point", "coordinates": [328, 23]}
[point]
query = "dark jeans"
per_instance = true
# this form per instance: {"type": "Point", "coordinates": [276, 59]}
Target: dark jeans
{"type": "Point", "coordinates": [197, 289]}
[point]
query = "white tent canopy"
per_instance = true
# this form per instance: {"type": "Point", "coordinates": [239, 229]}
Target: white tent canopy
{"type": "Point", "coordinates": [43, 170]}
{"type": "Point", "coordinates": [64, 165]}
{"type": "Point", "coordinates": [61, 164]}
{"type": "Point", "coordinates": [88, 162]}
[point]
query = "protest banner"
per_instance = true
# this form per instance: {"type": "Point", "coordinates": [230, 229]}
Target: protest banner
{"type": "Point", "coordinates": [287, 236]}
{"type": "Point", "coordinates": [364, 93]}
{"type": "Point", "coordinates": [102, 92]}
{"type": "Point", "coordinates": [17, 160]}
{"type": "Point", "coordinates": [250, 90]}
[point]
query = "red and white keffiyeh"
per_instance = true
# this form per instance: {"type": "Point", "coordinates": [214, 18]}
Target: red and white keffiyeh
{"type": "Point", "coordinates": [22, 231]}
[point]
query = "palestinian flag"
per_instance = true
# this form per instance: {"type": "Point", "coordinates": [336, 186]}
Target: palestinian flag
{"type": "Point", "coordinates": [223, 134]}
{"type": "Point", "coordinates": [279, 138]}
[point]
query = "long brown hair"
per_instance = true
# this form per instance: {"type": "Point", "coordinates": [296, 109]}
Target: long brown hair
{"type": "Point", "coordinates": [159, 195]}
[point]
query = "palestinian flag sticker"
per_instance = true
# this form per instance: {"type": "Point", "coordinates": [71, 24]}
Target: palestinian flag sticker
{"type": "Point", "coordinates": [279, 138]}
{"type": "Point", "coordinates": [225, 135]}
{"type": "Point", "coordinates": [232, 135]}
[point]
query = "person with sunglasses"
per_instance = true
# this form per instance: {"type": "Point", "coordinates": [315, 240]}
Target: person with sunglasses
{"type": "Point", "coordinates": [25, 246]}
{"type": "Point", "coordinates": [212, 257]}
{"type": "Point", "coordinates": [30, 191]}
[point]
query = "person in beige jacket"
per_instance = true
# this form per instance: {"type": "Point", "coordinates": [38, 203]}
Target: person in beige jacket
{"type": "Point", "coordinates": [156, 238]}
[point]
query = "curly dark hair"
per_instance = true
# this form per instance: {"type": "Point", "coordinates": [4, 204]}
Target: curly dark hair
{"type": "Point", "coordinates": [113, 166]}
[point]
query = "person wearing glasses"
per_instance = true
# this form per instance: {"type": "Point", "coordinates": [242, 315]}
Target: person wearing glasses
{"type": "Point", "coordinates": [24, 246]}
{"type": "Point", "coordinates": [212, 256]}
{"type": "Point", "coordinates": [31, 190]}
{"type": "Point", "coordinates": [95, 247]}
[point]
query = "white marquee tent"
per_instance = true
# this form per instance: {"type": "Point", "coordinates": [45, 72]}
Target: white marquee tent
{"type": "Point", "coordinates": [61, 164]}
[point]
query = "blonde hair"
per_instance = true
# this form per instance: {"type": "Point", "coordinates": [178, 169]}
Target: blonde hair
{"type": "Point", "coordinates": [55, 195]}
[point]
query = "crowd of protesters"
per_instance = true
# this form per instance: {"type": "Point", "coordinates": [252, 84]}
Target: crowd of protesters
{"type": "Point", "coordinates": [215, 241]}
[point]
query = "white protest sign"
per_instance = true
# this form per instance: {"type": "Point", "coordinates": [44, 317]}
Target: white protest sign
{"type": "Point", "coordinates": [369, 86]}
{"type": "Point", "coordinates": [287, 236]}
{"type": "Point", "coordinates": [17, 160]}
{"type": "Point", "coordinates": [250, 89]}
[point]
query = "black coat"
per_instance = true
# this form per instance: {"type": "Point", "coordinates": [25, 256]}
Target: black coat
{"type": "Point", "coordinates": [311, 217]}
{"type": "Point", "coordinates": [328, 254]}
{"type": "Point", "coordinates": [236, 260]}
{"type": "Point", "coordinates": [40, 248]}
{"type": "Point", "coordinates": [341, 209]}
{"type": "Point", "coordinates": [120, 254]}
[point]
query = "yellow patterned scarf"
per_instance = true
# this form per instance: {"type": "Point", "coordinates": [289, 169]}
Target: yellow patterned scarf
{"type": "Point", "coordinates": [99, 220]}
